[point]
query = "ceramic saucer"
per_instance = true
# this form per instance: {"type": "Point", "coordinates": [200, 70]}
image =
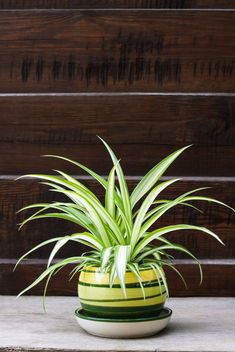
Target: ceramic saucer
{"type": "Point", "coordinates": [123, 328]}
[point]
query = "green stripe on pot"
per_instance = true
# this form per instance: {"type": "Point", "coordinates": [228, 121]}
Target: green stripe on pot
{"type": "Point", "coordinates": [98, 298]}
{"type": "Point", "coordinates": [124, 299]}
{"type": "Point", "coordinates": [152, 283]}
{"type": "Point", "coordinates": [104, 293]}
{"type": "Point", "coordinates": [124, 312]}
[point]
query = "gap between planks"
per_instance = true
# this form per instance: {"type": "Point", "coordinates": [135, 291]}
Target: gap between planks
{"type": "Point", "coordinates": [116, 94]}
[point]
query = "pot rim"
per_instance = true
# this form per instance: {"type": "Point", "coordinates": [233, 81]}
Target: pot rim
{"type": "Point", "coordinates": [88, 269]}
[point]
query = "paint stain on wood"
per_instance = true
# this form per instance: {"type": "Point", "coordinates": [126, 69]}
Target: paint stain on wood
{"type": "Point", "coordinates": [107, 70]}
{"type": "Point", "coordinates": [214, 69]}
{"type": "Point", "coordinates": [163, 4]}
{"type": "Point", "coordinates": [127, 59]}
{"type": "Point", "coordinates": [39, 68]}
{"type": "Point", "coordinates": [167, 70]}
{"type": "Point", "coordinates": [26, 68]}
{"type": "Point", "coordinates": [139, 43]}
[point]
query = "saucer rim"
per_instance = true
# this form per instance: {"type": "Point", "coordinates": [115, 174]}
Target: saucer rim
{"type": "Point", "coordinates": [79, 314]}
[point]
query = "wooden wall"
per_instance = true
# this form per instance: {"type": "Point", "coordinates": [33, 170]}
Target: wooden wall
{"type": "Point", "coordinates": [149, 76]}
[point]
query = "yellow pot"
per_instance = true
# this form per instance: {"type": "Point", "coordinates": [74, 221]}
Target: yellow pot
{"type": "Point", "coordinates": [98, 298]}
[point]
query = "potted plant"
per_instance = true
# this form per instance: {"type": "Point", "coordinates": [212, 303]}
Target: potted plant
{"type": "Point", "coordinates": [122, 277]}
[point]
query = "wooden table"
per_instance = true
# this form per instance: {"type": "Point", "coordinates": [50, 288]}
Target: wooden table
{"type": "Point", "coordinates": [198, 324]}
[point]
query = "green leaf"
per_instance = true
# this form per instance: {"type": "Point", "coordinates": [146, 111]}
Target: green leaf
{"type": "Point", "coordinates": [105, 256]}
{"type": "Point", "coordinates": [163, 209]}
{"type": "Point", "coordinates": [69, 210]}
{"type": "Point", "coordinates": [88, 239]}
{"type": "Point", "coordinates": [158, 233]}
{"type": "Point", "coordinates": [180, 200]}
{"type": "Point", "coordinates": [177, 271]}
{"type": "Point", "coordinates": [32, 206]}
{"type": "Point", "coordinates": [156, 209]}
{"type": "Point", "coordinates": [110, 192]}
{"type": "Point", "coordinates": [78, 268]}
{"type": "Point", "coordinates": [145, 207]}
{"type": "Point", "coordinates": [56, 248]}
{"type": "Point", "coordinates": [54, 272]}
{"type": "Point", "coordinates": [175, 246]}
{"type": "Point", "coordinates": [92, 208]}
{"type": "Point", "coordinates": [208, 199]}
{"type": "Point", "coordinates": [49, 270]}
{"type": "Point", "coordinates": [121, 254]}
{"type": "Point", "coordinates": [146, 253]}
{"type": "Point", "coordinates": [55, 179]}
{"type": "Point", "coordinates": [122, 184]}
{"type": "Point", "coordinates": [99, 178]}
{"type": "Point", "coordinates": [159, 272]}
{"type": "Point", "coordinates": [113, 275]}
{"type": "Point", "coordinates": [135, 270]}
{"type": "Point", "coordinates": [177, 201]}
{"type": "Point", "coordinates": [153, 176]}
{"type": "Point", "coordinates": [44, 243]}
{"type": "Point", "coordinates": [73, 181]}
{"type": "Point", "coordinates": [98, 214]}
{"type": "Point", "coordinates": [52, 215]}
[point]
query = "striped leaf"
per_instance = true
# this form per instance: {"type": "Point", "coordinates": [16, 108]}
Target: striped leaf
{"type": "Point", "coordinates": [110, 192]}
{"type": "Point", "coordinates": [50, 270]}
{"type": "Point", "coordinates": [153, 176]}
{"type": "Point", "coordinates": [145, 207]}
{"type": "Point", "coordinates": [121, 255]}
{"type": "Point", "coordinates": [45, 243]}
{"type": "Point", "coordinates": [122, 184]}
{"type": "Point", "coordinates": [56, 248]}
{"type": "Point", "coordinates": [105, 257]}
{"type": "Point", "coordinates": [97, 177]}
{"type": "Point", "coordinates": [158, 233]}
{"type": "Point", "coordinates": [98, 214]}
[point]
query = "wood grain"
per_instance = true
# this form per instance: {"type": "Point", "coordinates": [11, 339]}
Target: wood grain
{"type": "Point", "coordinates": [16, 194]}
{"type": "Point", "coordinates": [90, 50]}
{"type": "Point", "coordinates": [218, 279]}
{"type": "Point", "coordinates": [141, 129]}
{"type": "Point", "coordinates": [113, 4]}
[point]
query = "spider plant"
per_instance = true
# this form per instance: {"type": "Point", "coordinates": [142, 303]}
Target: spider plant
{"type": "Point", "coordinates": [117, 232]}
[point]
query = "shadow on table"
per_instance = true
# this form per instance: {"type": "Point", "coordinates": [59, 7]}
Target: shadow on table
{"type": "Point", "coordinates": [183, 327]}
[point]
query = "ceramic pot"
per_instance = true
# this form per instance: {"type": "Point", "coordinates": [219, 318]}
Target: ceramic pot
{"type": "Point", "coordinates": [99, 299]}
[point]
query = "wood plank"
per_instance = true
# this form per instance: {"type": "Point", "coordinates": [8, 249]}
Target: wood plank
{"type": "Point", "coordinates": [141, 129]}
{"type": "Point", "coordinates": [128, 50]}
{"type": "Point", "coordinates": [115, 4]}
{"type": "Point", "coordinates": [218, 279]}
{"type": "Point", "coordinates": [15, 195]}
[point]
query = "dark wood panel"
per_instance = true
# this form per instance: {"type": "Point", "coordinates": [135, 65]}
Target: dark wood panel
{"type": "Point", "coordinates": [79, 50]}
{"type": "Point", "coordinates": [98, 4]}
{"type": "Point", "coordinates": [218, 279]}
{"type": "Point", "coordinates": [16, 194]}
{"type": "Point", "coordinates": [141, 129]}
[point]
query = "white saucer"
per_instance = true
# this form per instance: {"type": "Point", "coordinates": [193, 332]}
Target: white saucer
{"type": "Point", "coordinates": [123, 328]}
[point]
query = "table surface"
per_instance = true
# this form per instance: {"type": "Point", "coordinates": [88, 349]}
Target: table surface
{"type": "Point", "coordinates": [198, 324]}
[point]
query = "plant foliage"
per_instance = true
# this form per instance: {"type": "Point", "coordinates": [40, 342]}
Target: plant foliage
{"type": "Point", "coordinates": [117, 232]}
